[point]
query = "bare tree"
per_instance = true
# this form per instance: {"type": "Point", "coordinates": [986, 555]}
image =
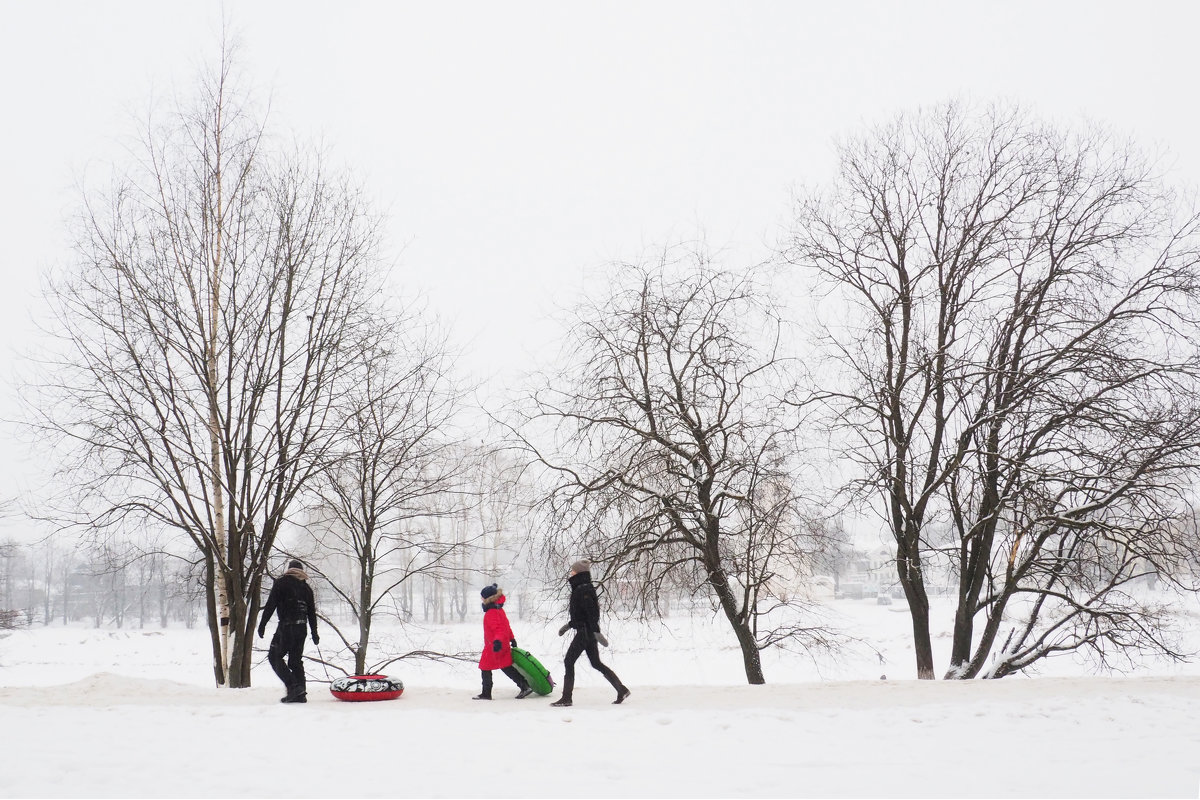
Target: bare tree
{"type": "Point", "coordinates": [673, 455]}
{"type": "Point", "coordinates": [399, 466]}
{"type": "Point", "coordinates": [1010, 309]}
{"type": "Point", "coordinates": [208, 330]}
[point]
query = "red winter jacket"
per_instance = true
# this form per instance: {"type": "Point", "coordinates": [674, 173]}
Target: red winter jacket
{"type": "Point", "coordinates": [496, 629]}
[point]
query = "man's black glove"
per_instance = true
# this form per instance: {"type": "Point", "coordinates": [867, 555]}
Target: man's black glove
{"type": "Point", "coordinates": [512, 643]}
{"type": "Point", "coordinates": [316, 639]}
{"type": "Point", "coordinates": [564, 629]}
{"type": "Point", "coordinates": [496, 646]}
{"type": "Point", "coordinates": [262, 631]}
{"type": "Point", "coordinates": [600, 638]}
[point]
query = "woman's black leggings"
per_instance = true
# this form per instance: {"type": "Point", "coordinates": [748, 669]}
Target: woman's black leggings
{"type": "Point", "coordinates": [584, 643]}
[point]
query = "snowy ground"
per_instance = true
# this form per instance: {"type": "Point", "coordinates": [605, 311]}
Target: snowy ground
{"type": "Point", "coordinates": [132, 713]}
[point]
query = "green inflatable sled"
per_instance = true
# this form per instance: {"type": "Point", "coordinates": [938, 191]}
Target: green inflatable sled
{"type": "Point", "coordinates": [533, 671]}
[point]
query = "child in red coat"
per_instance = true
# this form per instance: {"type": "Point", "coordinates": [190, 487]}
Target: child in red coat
{"type": "Point", "coordinates": [498, 642]}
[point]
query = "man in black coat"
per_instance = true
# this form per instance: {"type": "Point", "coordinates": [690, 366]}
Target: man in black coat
{"type": "Point", "coordinates": [584, 609]}
{"type": "Point", "coordinates": [292, 597]}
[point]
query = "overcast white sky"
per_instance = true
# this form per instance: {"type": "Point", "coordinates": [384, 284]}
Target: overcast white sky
{"type": "Point", "coordinates": [518, 146]}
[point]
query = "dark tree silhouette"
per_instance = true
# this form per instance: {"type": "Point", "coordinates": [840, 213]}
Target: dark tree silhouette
{"type": "Point", "coordinates": [673, 454]}
{"type": "Point", "coordinates": [1015, 332]}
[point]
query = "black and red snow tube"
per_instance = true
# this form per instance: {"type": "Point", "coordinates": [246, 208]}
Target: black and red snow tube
{"type": "Point", "coordinates": [357, 688]}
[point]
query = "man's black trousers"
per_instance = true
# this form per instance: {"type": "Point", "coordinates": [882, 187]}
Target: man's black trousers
{"type": "Point", "coordinates": [286, 655]}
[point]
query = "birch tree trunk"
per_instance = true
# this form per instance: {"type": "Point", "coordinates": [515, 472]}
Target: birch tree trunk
{"type": "Point", "coordinates": [212, 326]}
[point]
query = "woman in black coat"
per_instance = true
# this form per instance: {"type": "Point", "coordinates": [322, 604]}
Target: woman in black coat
{"type": "Point", "coordinates": [584, 611]}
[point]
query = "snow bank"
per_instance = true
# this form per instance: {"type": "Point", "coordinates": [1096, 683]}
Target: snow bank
{"type": "Point", "coordinates": [133, 714]}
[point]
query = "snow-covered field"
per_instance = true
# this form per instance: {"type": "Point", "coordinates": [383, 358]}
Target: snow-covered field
{"type": "Point", "coordinates": [89, 712]}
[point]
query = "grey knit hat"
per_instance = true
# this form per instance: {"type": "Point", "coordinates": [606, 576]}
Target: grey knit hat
{"type": "Point", "coordinates": [582, 565]}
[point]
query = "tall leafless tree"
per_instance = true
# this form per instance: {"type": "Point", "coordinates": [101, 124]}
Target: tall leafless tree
{"type": "Point", "coordinates": [401, 464]}
{"type": "Point", "coordinates": [207, 331]}
{"type": "Point", "coordinates": [675, 459]}
{"type": "Point", "coordinates": [1012, 309]}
